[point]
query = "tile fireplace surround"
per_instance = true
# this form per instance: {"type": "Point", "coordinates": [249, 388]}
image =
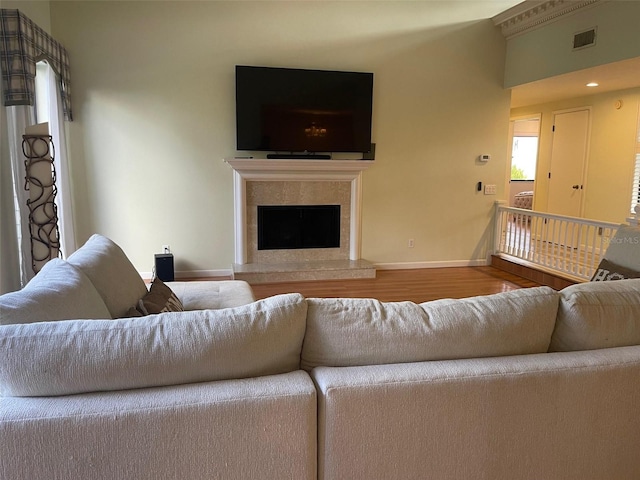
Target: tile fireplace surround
{"type": "Point", "coordinates": [298, 182]}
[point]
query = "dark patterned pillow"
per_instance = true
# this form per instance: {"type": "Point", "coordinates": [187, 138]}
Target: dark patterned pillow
{"type": "Point", "coordinates": [607, 271]}
{"type": "Point", "coordinates": [159, 299]}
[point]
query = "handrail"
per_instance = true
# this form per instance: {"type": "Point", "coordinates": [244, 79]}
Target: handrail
{"type": "Point", "coordinates": [569, 246]}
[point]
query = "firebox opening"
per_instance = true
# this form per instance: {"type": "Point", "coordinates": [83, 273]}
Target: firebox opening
{"type": "Point", "coordinates": [283, 227]}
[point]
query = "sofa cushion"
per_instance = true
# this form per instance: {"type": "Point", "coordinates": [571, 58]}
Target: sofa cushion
{"type": "Point", "coordinates": [114, 276]}
{"type": "Point", "coordinates": [598, 315]}
{"type": "Point", "coordinates": [351, 332]}
{"type": "Point", "coordinates": [59, 291]}
{"type": "Point", "coordinates": [59, 358]}
{"type": "Point", "coordinates": [201, 295]}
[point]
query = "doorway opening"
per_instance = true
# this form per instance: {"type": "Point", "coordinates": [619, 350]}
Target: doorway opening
{"type": "Point", "coordinates": [524, 136]}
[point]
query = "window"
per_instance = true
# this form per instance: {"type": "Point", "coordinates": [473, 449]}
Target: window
{"type": "Point", "coordinates": [43, 99]}
{"type": "Point", "coordinates": [523, 159]}
{"type": "Point", "coordinates": [635, 192]}
{"type": "Point", "coordinates": [524, 148]}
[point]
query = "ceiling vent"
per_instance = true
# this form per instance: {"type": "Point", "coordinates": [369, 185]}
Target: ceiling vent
{"type": "Point", "coordinates": [584, 39]}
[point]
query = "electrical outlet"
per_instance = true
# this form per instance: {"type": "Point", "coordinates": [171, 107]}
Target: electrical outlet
{"type": "Point", "coordinates": [166, 248]}
{"type": "Point", "coordinates": [490, 190]}
{"type": "Point", "coordinates": [411, 243]}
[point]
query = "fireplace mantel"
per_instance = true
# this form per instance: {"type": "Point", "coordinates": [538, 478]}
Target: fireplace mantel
{"type": "Point", "coordinates": [264, 169]}
{"type": "Point", "coordinates": [250, 169]}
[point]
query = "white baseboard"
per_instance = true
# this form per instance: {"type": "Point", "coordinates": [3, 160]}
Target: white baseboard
{"type": "Point", "coordinates": [226, 272]}
{"type": "Point", "coordinates": [441, 264]}
{"type": "Point", "coordinates": [191, 274]}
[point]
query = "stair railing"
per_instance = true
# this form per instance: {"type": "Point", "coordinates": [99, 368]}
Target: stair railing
{"type": "Point", "coordinates": [569, 246]}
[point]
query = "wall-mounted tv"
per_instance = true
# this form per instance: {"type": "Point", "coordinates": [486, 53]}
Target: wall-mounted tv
{"type": "Point", "coordinates": [303, 111]}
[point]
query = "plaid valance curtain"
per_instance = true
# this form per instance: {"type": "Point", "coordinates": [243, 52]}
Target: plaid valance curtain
{"type": "Point", "coordinates": [22, 44]}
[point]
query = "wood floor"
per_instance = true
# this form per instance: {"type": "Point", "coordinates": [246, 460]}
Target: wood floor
{"type": "Point", "coordinates": [417, 285]}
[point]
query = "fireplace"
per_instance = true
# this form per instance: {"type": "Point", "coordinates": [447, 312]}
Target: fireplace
{"type": "Point", "coordinates": [298, 226]}
{"type": "Point", "coordinates": [294, 184]}
{"type": "Point", "coordinates": [284, 195]}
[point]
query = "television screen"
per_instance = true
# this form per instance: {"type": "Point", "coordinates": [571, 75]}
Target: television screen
{"type": "Point", "coordinates": [295, 110]}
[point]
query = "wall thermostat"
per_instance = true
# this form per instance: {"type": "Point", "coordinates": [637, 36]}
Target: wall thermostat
{"type": "Point", "coordinates": [485, 157]}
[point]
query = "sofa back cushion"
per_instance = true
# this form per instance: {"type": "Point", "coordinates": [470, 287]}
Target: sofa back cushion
{"type": "Point", "coordinates": [61, 358]}
{"type": "Point", "coordinates": [114, 276]}
{"type": "Point", "coordinates": [351, 332]}
{"type": "Point", "coordinates": [59, 291]}
{"type": "Point", "coordinates": [598, 315]}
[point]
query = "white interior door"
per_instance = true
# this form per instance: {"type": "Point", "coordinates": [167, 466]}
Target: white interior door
{"type": "Point", "coordinates": [568, 161]}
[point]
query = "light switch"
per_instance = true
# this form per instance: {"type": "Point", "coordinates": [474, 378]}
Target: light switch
{"type": "Point", "coordinates": [489, 189]}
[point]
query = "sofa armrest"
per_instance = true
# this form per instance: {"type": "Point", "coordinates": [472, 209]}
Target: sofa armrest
{"type": "Point", "coordinates": [205, 295]}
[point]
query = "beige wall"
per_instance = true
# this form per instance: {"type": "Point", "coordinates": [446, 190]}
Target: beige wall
{"type": "Point", "coordinates": [36, 10]}
{"type": "Point", "coordinates": [547, 51]}
{"type": "Point", "coordinates": [153, 93]}
{"type": "Point", "coordinates": [611, 152]}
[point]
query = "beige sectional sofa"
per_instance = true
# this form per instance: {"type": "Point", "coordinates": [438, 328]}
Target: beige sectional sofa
{"type": "Point", "coordinates": [528, 384]}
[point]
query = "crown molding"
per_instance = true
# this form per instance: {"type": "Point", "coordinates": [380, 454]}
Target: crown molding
{"type": "Point", "coordinates": [532, 14]}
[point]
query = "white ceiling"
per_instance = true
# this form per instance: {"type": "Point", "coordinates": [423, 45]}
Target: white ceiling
{"type": "Point", "coordinates": [610, 77]}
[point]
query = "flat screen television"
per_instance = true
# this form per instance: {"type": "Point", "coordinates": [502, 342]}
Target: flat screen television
{"type": "Point", "coordinates": [303, 111]}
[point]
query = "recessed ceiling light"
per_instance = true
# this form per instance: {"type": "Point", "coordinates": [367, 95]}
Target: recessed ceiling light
{"type": "Point", "coordinates": [592, 84]}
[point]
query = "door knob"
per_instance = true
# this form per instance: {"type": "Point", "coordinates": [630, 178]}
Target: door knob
{"type": "Point", "coordinates": [576, 187]}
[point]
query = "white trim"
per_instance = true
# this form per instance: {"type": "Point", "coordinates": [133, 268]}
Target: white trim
{"type": "Point", "coordinates": [240, 217]}
{"type": "Point", "coordinates": [261, 167]}
{"type": "Point", "coordinates": [533, 14]}
{"type": "Point", "coordinates": [356, 219]}
{"type": "Point", "coordinates": [439, 264]}
{"type": "Point", "coordinates": [204, 274]}
{"type": "Point", "coordinates": [249, 169]}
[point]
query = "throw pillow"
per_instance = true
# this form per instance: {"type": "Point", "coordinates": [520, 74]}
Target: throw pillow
{"type": "Point", "coordinates": [59, 291]}
{"type": "Point", "coordinates": [111, 272]}
{"type": "Point", "coordinates": [159, 299]}
{"type": "Point", "coordinates": [623, 249]}
{"type": "Point", "coordinates": [608, 270]}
